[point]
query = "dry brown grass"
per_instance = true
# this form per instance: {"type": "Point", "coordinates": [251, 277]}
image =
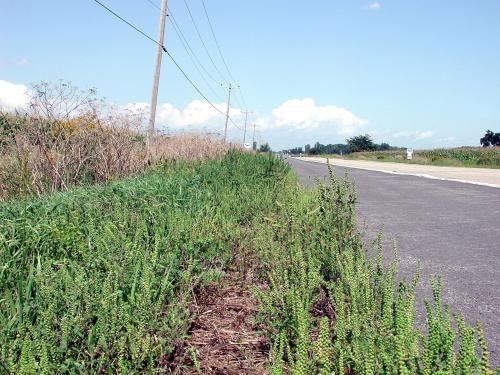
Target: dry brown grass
{"type": "Point", "coordinates": [69, 138]}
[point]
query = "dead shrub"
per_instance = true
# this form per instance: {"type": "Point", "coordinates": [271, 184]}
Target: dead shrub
{"type": "Point", "coordinates": [68, 137]}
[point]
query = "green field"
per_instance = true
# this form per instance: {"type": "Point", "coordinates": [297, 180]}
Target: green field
{"type": "Point", "coordinates": [480, 157]}
{"type": "Point", "coordinates": [99, 279]}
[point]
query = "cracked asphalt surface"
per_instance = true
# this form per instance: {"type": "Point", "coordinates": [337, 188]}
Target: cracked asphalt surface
{"type": "Point", "coordinates": [450, 228]}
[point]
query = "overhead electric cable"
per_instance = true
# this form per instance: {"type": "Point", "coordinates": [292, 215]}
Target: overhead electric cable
{"type": "Point", "coordinates": [217, 42]}
{"type": "Point", "coordinates": [184, 41]}
{"type": "Point", "coordinates": [154, 4]}
{"type": "Point", "coordinates": [174, 22]}
{"type": "Point", "coordinates": [220, 52]}
{"type": "Point", "coordinates": [169, 55]}
{"type": "Point", "coordinates": [203, 43]}
{"type": "Point", "coordinates": [193, 84]}
{"type": "Point", "coordinates": [195, 64]}
{"type": "Point", "coordinates": [132, 26]}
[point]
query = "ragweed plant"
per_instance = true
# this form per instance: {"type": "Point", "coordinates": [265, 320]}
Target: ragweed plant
{"type": "Point", "coordinates": [341, 311]}
{"type": "Point", "coordinates": [98, 280]}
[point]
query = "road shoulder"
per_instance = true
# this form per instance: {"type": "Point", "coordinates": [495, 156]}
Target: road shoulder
{"type": "Point", "coordinates": [476, 176]}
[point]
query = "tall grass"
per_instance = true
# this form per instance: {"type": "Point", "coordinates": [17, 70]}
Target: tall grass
{"type": "Point", "coordinates": [99, 279]}
{"type": "Point", "coordinates": [70, 138]}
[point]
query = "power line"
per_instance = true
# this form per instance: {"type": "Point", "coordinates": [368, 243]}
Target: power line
{"type": "Point", "coordinates": [192, 55]}
{"type": "Point", "coordinates": [128, 23]}
{"type": "Point", "coordinates": [216, 41]}
{"type": "Point", "coordinates": [242, 106]}
{"type": "Point", "coordinates": [177, 26]}
{"type": "Point", "coordinates": [178, 31]}
{"type": "Point", "coordinates": [243, 98]}
{"type": "Point", "coordinates": [203, 42]}
{"type": "Point", "coordinates": [184, 41]}
{"type": "Point", "coordinates": [154, 4]}
{"type": "Point", "coordinates": [192, 83]}
{"type": "Point", "coordinates": [220, 51]}
{"type": "Point", "coordinates": [168, 54]}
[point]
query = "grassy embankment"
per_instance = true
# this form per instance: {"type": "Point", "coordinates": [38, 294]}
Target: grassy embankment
{"type": "Point", "coordinates": [99, 279]}
{"type": "Point", "coordinates": [454, 157]}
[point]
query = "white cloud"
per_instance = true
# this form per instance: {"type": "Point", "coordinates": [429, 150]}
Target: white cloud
{"type": "Point", "coordinates": [305, 114]}
{"type": "Point", "coordinates": [197, 115]}
{"type": "Point", "coordinates": [13, 96]}
{"type": "Point", "coordinates": [418, 135]}
{"type": "Point", "coordinates": [374, 6]}
{"type": "Point", "coordinates": [294, 115]}
{"type": "Point", "coordinates": [424, 134]}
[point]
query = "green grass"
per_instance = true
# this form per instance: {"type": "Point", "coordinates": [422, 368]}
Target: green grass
{"type": "Point", "coordinates": [98, 280]}
{"type": "Point", "coordinates": [479, 157]}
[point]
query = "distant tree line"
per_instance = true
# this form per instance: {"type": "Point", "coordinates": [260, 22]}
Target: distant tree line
{"type": "Point", "coordinates": [365, 143]}
{"type": "Point", "coordinates": [353, 144]}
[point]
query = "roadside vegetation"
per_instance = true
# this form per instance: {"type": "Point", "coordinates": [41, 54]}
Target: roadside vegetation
{"type": "Point", "coordinates": [482, 157]}
{"type": "Point", "coordinates": [100, 279]}
{"type": "Point", "coordinates": [103, 279]}
{"type": "Point", "coordinates": [362, 147]}
{"type": "Point", "coordinates": [111, 257]}
{"type": "Point", "coordinates": [332, 307]}
{"type": "Point", "coordinates": [68, 137]}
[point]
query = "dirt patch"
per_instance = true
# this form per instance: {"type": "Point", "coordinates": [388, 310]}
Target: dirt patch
{"type": "Point", "coordinates": [323, 306]}
{"type": "Point", "coordinates": [224, 339]}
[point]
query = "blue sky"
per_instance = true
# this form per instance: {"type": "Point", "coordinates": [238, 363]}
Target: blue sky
{"type": "Point", "coordinates": [411, 73]}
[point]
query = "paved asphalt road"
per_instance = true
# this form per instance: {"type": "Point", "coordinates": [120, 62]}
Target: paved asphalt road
{"type": "Point", "coordinates": [451, 228]}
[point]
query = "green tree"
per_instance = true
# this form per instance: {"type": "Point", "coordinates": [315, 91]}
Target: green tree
{"type": "Point", "coordinates": [265, 147]}
{"type": "Point", "coordinates": [384, 146]}
{"type": "Point", "coordinates": [361, 143]}
{"type": "Point", "coordinates": [490, 139]}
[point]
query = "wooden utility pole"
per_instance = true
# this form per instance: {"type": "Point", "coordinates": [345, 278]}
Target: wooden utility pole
{"type": "Point", "coordinates": [253, 136]}
{"type": "Point", "coordinates": [156, 79]}
{"type": "Point", "coordinates": [227, 111]}
{"type": "Point", "coordinates": [245, 131]}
